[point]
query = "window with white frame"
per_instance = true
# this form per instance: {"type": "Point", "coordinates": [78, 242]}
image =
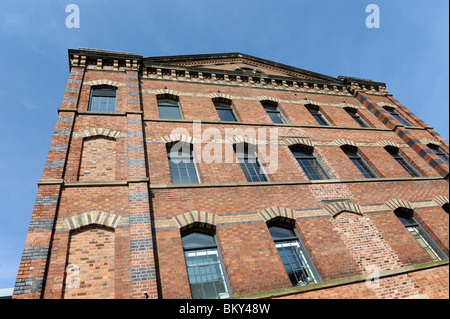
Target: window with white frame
{"type": "Point", "coordinates": [294, 256]}
{"type": "Point", "coordinates": [206, 272]}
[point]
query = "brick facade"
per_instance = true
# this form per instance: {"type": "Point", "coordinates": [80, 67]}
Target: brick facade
{"type": "Point", "coordinates": [108, 221]}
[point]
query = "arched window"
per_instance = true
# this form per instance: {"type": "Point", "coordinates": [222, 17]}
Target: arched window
{"type": "Point", "coordinates": [439, 152]}
{"type": "Point", "coordinates": [207, 276]}
{"type": "Point", "coordinates": [397, 116]}
{"type": "Point", "coordinates": [225, 110]}
{"type": "Point", "coordinates": [250, 164]}
{"type": "Point", "coordinates": [169, 108]}
{"type": "Point", "coordinates": [403, 162]}
{"type": "Point", "coordinates": [358, 119]}
{"type": "Point", "coordinates": [308, 161]}
{"type": "Point", "coordinates": [419, 234]}
{"type": "Point", "coordinates": [315, 112]}
{"type": "Point", "coordinates": [274, 112]}
{"type": "Point", "coordinates": [294, 256]}
{"type": "Point", "coordinates": [360, 163]}
{"type": "Point", "coordinates": [103, 99]}
{"type": "Point", "coordinates": [183, 168]}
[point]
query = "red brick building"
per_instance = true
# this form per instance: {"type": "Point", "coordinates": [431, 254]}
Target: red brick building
{"type": "Point", "coordinates": [227, 175]}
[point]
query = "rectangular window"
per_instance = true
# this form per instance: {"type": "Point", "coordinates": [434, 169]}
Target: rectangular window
{"type": "Point", "coordinates": [318, 116]}
{"type": "Point", "coordinates": [358, 119]}
{"type": "Point", "coordinates": [103, 99]}
{"type": "Point", "coordinates": [360, 163]}
{"type": "Point", "coordinates": [225, 111]}
{"type": "Point", "coordinates": [169, 109]}
{"type": "Point", "coordinates": [274, 113]}
{"type": "Point", "coordinates": [247, 157]}
{"type": "Point", "coordinates": [182, 164]}
{"type": "Point", "coordinates": [421, 236]}
{"type": "Point", "coordinates": [397, 116]}
{"type": "Point", "coordinates": [310, 164]}
{"type": "Point", "coordinates": [403, 163]}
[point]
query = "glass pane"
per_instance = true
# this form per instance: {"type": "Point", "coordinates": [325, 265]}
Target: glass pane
{"type": "Point", "coordinates": [252, 171]}
{"type": "Point", "coordinates": [249, 163]}
{"type": "Point", "coordinates": [420, 237]}
{"type": "Point", "coordinates": [398, 117]}
{"type": "Point", "coordinates": [319, 119]}
{"type": "Point", "coordinates": [295, 262]}
{"type": "Point", "coordinates": [406, 219]}
{"type": "Point", "coordinates": [363, 168]}
{"type": "Point", "coordinates": [276, 117]}
{"type": "Point", "coordinates": [312, 169]}
{"type": "Point", "coordinates": [226, 114]}
{"type": "Point", "coordinates": [197, 240]}
{"type": "Point", "coordinates": [169, 112]}
{"type": "Point", "coordinates": [281, 232]}
{"type": "Point", "coordinates": [440, 153]}
{"type": "Point", "coordinates": [411, 171]}
{"type": "Point", "coordinates": [104, 91]}
{"type": "Point", "coordinates": [206, 275]}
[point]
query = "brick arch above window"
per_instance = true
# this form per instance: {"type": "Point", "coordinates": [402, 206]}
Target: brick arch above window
{"type": "Point", "coordinates": [344, 142]}
{"type": "Point", "coordinates": [267, 99]}
{"type": "Point", "coordinates": [339, 207]}
{"type": "Point", "coordinates": [383, 104]}
{"type": "Point", "coordinates": [241, 139]}
{"type": "Point", "coordinates": [311, 103]}
{"type": "Point", "coordinates": [92, 132]}
{"type": "Point", "coordinates": [394, 204]}
{"type": "Point", "coordinates": [166, 93]}
{"type": "Point", "coordinates": [427, 141]}
{"type": "Point", "coordinates": [277, 212]}
{"type": "Point", "coordinates": [298, 141]}
{"type": "Point", "coordinates": [173, 138]}
{"type": "Point", "coordinates": [385, 143]}
{"type": "Point", "coordinates": [104, 82]}
{"type": "Point", "coordinates": [195, 218]}
{"type": "Point", "coordinates": [92, 218]}
{"type": "Point", "coordinates": [350, 107]}
{"type": "Point", "coordinates": [441, 200]}
{"type": "Point", "coordinates": [220, 97]}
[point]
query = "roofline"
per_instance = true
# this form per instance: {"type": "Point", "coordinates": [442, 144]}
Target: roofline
{"type": "Point", "coordinates": [195, 57]}
{"type": "Point", "coordinates": [161, 60]}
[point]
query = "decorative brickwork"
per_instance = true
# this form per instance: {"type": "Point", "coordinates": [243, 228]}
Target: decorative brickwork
{"type": "Point", "coordinates": [107, 221]}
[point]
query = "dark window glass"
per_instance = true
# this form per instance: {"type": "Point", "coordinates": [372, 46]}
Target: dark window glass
{"type": "Point", "coordinates": [169, 109]}
{"type": "Point", "coordinates": [103, 99]}
{"type": "Point", "coordinates": [397, 116]}
{"type": "Point", "coordinates": [403, 163]}
{"type": "Point", "coordinates": [249, 161]}
{"type": "Point", "coordinates": [225, 111]}
{"type": "Point", "coordinates": [420, 235]}
{"type": "Point", "coordinates": [310, 164]}
{"type": "Point", "coordinates": [359, 162]}
{"type": "Point", "coordinates": [446, 207]}
{"type": "Point", "coordinates": [182, 165]}
{"type": "Point", "coordinates": [274, 113]}
{"type": "Point", "coordinates": [354, 114]}
{"type": "Point", "coordinates": [318, 116]}
{"type": "Point", "coordinates": [439, 152]}
{"type": "Point", "coordinates": [293, 254]}
{"type": "Point", "coordinates": [207, 277]}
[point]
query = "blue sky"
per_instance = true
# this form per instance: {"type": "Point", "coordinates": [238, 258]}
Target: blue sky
{"type": "Point", "coordinates": [409, 52]}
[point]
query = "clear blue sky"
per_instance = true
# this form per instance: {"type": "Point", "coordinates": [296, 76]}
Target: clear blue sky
{"type": "Point", "coordinates": [409, 52]}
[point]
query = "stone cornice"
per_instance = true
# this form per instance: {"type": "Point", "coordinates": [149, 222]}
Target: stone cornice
{"type": "Point", "coordinates": [163, 68]}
